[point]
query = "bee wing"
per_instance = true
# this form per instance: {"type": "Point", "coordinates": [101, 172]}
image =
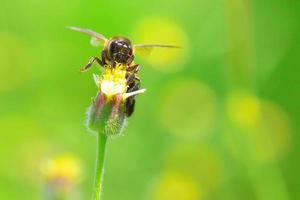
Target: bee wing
{"type": "Point", "coordinates": [146, 49]}
{"type": "Point", "coordinates": [97, 38]}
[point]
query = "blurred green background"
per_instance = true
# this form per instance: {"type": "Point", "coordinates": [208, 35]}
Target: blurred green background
{"type": "Point", "coordinates": [219, 120]}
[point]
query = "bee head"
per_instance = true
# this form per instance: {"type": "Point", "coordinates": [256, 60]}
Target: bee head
{"type": "Point", "coordinates": [120, 50]}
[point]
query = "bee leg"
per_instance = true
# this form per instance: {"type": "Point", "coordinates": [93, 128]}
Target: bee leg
{"type": "Point", "coordinates": [103, 56]}
{"type": "Point", "coordinates": [130, 77]}
{"type": "Point", "coordinates": [134, 86]}
{"type": "Point", "coordinates": [137, 78]}
{"type": "Point", "coordinates": [91, 62]}
{"type": "Point", "coordinates": [134, 68]}
{"type": "Point", "coordinates": [113, 63]}
{"type": "Point", "coordinates": [130, 59]}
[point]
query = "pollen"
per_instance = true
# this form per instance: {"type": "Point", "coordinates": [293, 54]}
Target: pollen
{"type": "Point", "coordinates": [113, 81]}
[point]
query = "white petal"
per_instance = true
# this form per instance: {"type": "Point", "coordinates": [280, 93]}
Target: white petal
{"type": "Point", "coordinates": [129, 94]}
{"type": "Point", "coordinates": [111, 88]}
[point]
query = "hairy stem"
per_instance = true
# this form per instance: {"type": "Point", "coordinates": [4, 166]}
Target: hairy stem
{"type": "Point", "coordinates": [98, 187]}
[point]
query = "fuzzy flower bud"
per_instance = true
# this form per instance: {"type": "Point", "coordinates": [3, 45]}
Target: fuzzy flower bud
{"type": "Point", "coordinates": [107, 111]}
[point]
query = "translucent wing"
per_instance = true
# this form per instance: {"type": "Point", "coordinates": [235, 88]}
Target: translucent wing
{"type": "Point", "coordinates": [146, 49]}
{"type": "Point", "coordinates": [97, 38]}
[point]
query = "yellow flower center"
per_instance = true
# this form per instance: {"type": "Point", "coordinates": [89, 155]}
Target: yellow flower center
{"type": "Point", "coordinates": [113, 81]}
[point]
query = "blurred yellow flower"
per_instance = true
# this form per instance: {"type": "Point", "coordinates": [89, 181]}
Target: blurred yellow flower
{"type": "Point", "coordinates": [63, 167]}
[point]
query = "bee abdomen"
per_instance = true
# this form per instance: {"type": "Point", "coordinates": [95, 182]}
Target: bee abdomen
{"type": "Point", "coordinates": [130, 102]}
{"type": "Point", "coordinates": [129, 108]}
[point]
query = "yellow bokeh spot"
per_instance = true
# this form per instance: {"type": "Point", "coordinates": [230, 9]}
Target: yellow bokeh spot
{"type": "Point", "coordinates": [243, 109]}
{"type": "Point", "coordinates": [163, 31]}
{"type": "Point", "coordinates": [15, 62]}
{"type": "Point", "coordinates": [176, 186]}
{"type": "Point", "coordinates": [64, 167]}
{"type": "Point", "coordinates": [201, 162]}
{"type": "Point", "coordinates": [266, 134]}
{"type": "Point", "coordinates": [188, 109]}
{"type": "Point", "coordinates": [271, 138]}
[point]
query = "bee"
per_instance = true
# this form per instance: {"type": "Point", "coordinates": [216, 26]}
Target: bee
{"type": "Point", "coordinates": [119, 51]}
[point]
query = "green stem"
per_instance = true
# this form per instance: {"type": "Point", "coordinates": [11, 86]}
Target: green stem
{"type": "Point", "coordinates": [101, 143]}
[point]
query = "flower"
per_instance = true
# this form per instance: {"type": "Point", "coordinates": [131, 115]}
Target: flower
{"type": "Point", "coordinates": [107, 112]}
{"type": "Point", "coordinates": [61, 175]}
{"type": "Point", "coordinates": [65, 169]}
